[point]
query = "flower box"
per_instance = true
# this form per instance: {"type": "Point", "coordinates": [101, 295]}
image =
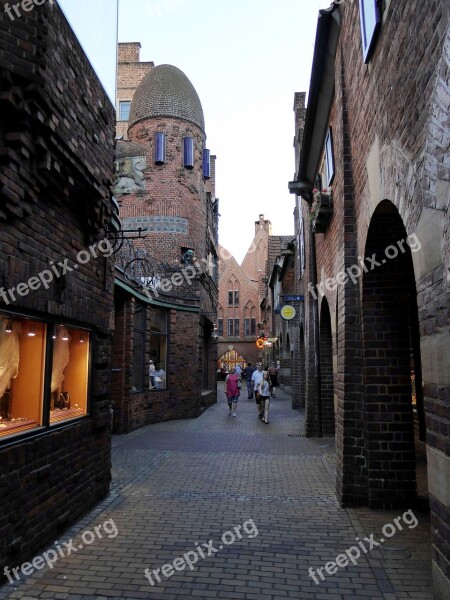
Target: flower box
{"type": "Point", "coordinates": [321, 210]}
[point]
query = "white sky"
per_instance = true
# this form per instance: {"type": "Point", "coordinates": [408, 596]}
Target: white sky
{"type": "Point", "coordinates": [246, 58]}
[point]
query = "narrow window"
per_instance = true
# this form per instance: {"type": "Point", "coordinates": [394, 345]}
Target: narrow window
{"type": "Point", "coordinates": [370, 17]}
{"type": "Point", "coordinates": [236, 298]}
{"type": "Point", "coordinates": [160, 148]}
{"type": "Point", "coordinates": [220, 328]}
{"type": "Point", "coordinates": [206, 164]}
{"type": "Point", "coordinates": [329, 157]}
{"type": "Point", "coordinates": [230, 327]}
{"type": "Point", "coordinates": [188, 152]}
{"type": "Point", "coordinates": [137, 367]}
{"type": "Point", "coordinates": [158, 347]}
{"type": "Point", "coordinates": [236, 327]}
{"type": "Point", "coordinates": [124, 110]}
{"type": "Point", "coordinates": [230, 298]}
{"type": "Point", "coordinates": [246, 327]}
{"type": "Point", "coordinates": [252, 326]}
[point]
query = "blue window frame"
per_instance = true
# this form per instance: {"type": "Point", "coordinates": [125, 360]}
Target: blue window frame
{"type": "Point", "coordinates": [206, 164]}
{"type": "Point", "coordinates": [188, 152]}
{"type": "Point", "coordinates": [370, 16]}
{"type": "Point", "coordinates": [160, 148]}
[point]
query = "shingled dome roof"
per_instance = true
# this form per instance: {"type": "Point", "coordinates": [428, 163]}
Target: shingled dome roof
{"type": "Point", "coordinates": [166, 92]}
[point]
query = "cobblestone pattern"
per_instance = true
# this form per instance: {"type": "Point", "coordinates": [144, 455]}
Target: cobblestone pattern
{"type": "Point", "coordinates": [164, 500]}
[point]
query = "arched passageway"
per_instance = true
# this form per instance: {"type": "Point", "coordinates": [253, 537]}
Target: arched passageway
{"type": "Point", "coordinates": [394, 414]}
{"type": "Point", "coordinates": [326, 370]}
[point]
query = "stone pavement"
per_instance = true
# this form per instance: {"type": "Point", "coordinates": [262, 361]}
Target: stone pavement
{"type": "Point", "coordinates": [179, 484]}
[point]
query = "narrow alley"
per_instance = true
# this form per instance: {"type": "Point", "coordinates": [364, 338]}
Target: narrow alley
{"type": "Point", "coordinates": [182, 487]}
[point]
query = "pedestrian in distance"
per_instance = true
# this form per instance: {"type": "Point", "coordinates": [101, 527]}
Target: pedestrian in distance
{"type": "Point", "coordinates": [233, 391]}
{"type": "Point", "coordinates": [273, 377]}
{"type": "Point", "coordinates": [248, 372]}
{"type": "Point", "coordinates": [264, 391]}
{"type": "Point", "coordinates": [256, 378]}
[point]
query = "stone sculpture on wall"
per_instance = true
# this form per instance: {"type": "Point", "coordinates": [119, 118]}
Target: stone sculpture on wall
{"type": "Point", "coordinates": [129, 175]}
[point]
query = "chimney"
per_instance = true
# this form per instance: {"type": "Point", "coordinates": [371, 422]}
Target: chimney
{"type": "Point", "coordinates": [129, 52]}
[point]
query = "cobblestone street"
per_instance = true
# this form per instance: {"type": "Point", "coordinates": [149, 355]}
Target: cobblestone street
{"type": "Point", "coordinates": [180, 483]}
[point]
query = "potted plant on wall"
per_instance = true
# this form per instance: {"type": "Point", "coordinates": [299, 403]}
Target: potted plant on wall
{"type": "Point", "coordinates": [321, 210]}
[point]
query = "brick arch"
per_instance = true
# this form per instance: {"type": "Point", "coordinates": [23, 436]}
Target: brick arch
{"type": "Point", "coordinates": [391, 352]}
{"type": "Point", "coordinates": [302, 371]}
{"type": "Point", "coordinates": [326, 369]}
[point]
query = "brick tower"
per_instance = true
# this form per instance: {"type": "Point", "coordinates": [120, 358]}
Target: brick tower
{"type": "Point", "coordinates": [165, 185]}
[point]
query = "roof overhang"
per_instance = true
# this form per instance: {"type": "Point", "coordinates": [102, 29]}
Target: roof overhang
{"type": "Point", "coordinates": [320, 98]}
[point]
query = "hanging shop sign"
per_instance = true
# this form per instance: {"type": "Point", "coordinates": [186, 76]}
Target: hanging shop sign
{"type": "Point", "coordinates": [260, 343]}
{"type": "Point", "coordinates": [288, 312]}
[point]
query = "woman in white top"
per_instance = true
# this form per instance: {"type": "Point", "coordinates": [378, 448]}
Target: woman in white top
{"type": "Point", "coordinates": [264, 391]}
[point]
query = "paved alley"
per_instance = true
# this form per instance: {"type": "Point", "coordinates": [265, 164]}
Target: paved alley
{"type": "Point", "coordinates": [264, 495]}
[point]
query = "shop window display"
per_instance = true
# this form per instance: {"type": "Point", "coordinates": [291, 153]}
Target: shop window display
{"type": "Point", "coordinates": [22, 361]}
{"type": "Point", "coordinates": [69, 385]}
{"type": "Point", "coordinates": [27, 400]}
{"type": "Point", "coordinates": [158, 346]}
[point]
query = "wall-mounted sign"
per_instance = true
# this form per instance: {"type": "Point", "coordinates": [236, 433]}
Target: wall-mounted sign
{"type": "Point", "coordinates": [288, 312]}
{"type": "Point", "coordinates": [293, 298]}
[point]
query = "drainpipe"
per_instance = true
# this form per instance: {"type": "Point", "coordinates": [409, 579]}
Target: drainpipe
{"type": "Point", "coordinates": [315, 307]}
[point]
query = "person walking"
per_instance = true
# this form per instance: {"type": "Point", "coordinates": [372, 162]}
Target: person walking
{"type": "Point", "coordinates": [273, 377]}
{"type": "Point", "coordinates": [248, 372]}
{"type": "Point", "coordinates": [264, 391]}
{"type": "Point", "coordinates": [232, 386]}
{"type": "Point", "coordinates": [256, 379]}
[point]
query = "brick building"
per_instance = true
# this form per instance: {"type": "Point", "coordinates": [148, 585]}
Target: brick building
{"type": "Point", "coordinates": [166, 284]}
{"type": "Point", "coordinates": [244, 311]}
{"type": "Point", "coordinates": [372, 184]}
{"type": "Point", "coordinates": [56, 306]}
{"type": "Point", "coordinates": [131, 70]}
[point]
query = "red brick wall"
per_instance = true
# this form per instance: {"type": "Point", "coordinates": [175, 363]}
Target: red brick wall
{"type": "Point", "coordinates": [389, 119]}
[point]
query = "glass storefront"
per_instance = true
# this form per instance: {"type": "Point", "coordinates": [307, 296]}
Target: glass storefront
{"type": "Point", "coordinates": [27, 400]}
{"type": "Point", "coordinates": [158, 347]}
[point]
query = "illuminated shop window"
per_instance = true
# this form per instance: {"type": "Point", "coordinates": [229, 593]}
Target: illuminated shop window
{"type": "Point", "coordinates": [30, 399]}
{"type": "Point", "coordinates": [22, 362]}
{"type": "Point", "coordinates": [70, 374]}
{"type": "Point", "coordinates": [158, 346]}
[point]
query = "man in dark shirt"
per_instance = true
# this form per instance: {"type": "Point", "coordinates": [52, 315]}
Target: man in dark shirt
{"type": "Point", "coordinates": [248, 372]}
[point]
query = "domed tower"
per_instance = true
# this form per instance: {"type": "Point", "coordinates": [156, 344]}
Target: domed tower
{"type": "Point", "coordinates": [165, 185]}
{"type": "Point", "coordinates": [166, 119]}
